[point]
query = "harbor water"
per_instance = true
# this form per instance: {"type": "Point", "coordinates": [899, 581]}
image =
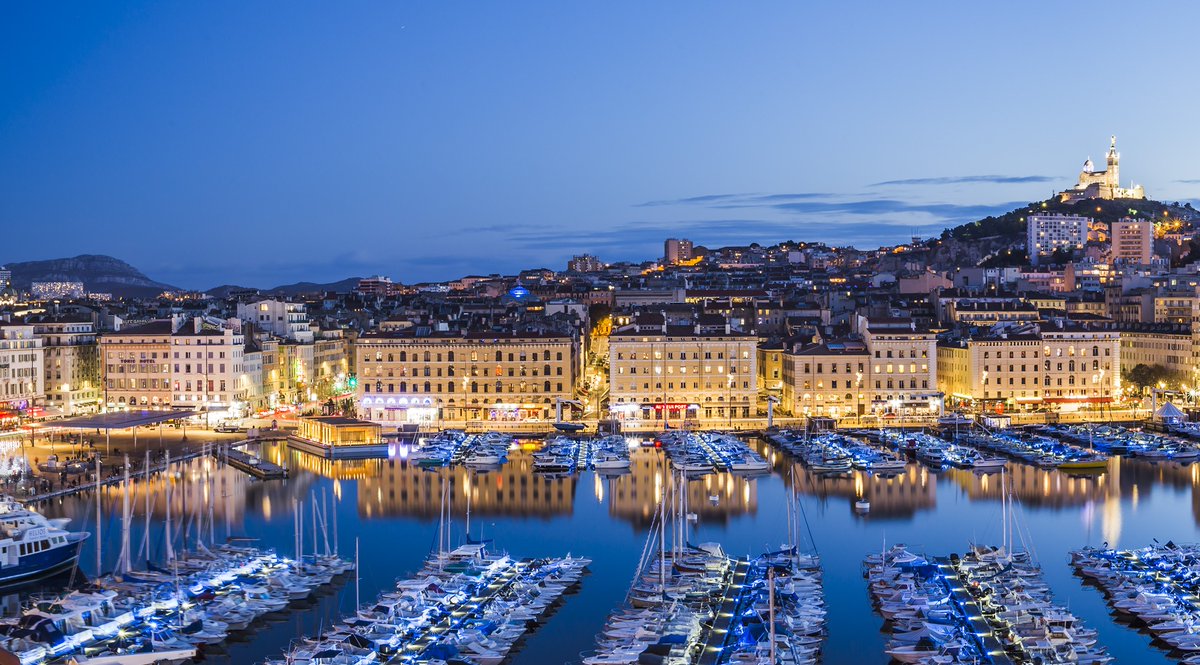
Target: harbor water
{"type": "Point", "coordinates": [391, 508]}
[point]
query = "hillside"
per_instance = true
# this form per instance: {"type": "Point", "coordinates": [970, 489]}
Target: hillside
{"type": "Point", "coordinates": [299, 288]}
{"type": "Point", "coordinates": [1012, 223]}
{"type": "Point", "coordinates": [99, 274]}
{"type": "Point", "coordinates": [1000, 240]}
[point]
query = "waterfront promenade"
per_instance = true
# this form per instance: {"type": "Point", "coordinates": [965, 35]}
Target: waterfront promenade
{"type": "Point", "coordinates": [27, 483]}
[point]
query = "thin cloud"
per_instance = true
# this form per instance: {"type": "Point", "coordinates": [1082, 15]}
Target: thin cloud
{"type": "Point", "coordinates": [730, 200]}
{"type": "Point", "coordinates": [967, 179]}
{"type": "Point", "coordinates": [643, 239]}
{"type": "Point", "coordinates": [949, 212]}
{"type": "Point", "coordinates": [490, 228]}
{"type": "Point", "coordinates": [690, 200]}
{"type": "Point", "coordinates": [1189, 182]}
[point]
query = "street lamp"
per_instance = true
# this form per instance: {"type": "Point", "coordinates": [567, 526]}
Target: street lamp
{"type": "Point", "coordinates": [857, 395]}
{"type": "Point", "coordinates": [983, 402]}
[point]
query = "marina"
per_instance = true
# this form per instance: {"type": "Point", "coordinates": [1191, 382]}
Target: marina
{"type": "Point", "coordinates": [744, 520]}
{"type": "Point", "coordinates": [1154, 588]}
{"type": "Point", "coordinates": [453, 447]}
{"type": "Point", "coordinates": [1128, 442]}
{"type": "Point", "coordinates": [986, 606]}
{"type": "Point", "coordinates": [465, 603]}
{"type": "Point", "coordinates": [1037, 449]}
{"type": "Point", "coordinates": [696, 604]}
{"type": "Point", "coordinates": [607, 455]}
{"type": "Point", "coordinates": [698, 453]}
{"type": "Point", "coordinates": [164, 614]}
{"type": "Point", "coordinates": [835, 452]}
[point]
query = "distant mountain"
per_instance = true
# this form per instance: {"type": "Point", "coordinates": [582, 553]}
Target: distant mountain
{"type": "Point", "coordinates": [299, 288]}
{"type": "Point", "coordinates": [99, 274]}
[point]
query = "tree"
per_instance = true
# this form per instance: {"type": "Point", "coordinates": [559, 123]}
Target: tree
{"type": "Point", "coordinates": [1148, 376]}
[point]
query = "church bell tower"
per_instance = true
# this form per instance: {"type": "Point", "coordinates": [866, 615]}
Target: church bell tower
{"type": "Point", "coordinates": [1113, 175]}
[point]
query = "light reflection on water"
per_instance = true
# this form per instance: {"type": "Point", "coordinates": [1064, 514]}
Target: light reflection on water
{"type": "Point", "coordinates": [392, 507]}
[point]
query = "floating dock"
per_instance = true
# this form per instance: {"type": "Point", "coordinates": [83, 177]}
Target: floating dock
{"type": "Point", "coordinates": [970, 609]}
{"type": "Point", "coordinates": [367, 451]}
{"type": "Point", "coordinates": [255, 466]}
{"type": "Point", "coordinates": [718, 635]}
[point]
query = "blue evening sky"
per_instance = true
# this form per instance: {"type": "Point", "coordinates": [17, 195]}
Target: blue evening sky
{"type": "Point", "coordinates": [260, 143]}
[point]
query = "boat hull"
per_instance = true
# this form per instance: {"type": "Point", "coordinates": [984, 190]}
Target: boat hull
{"type": "Point", "coordinates": [42, 564]}
{"type": "Point", "coordinates": [1088, 464]}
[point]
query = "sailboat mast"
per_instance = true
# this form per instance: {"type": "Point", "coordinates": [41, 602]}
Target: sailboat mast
{"type": "Point", "coordinates": [1011, 517]}
{"type": "Point", "coordinates": [771, 607]}
{"type": "Point", "coordinates": [167, 553]}
{"type": "Point", "coordinates": [662, 546]}
{"type": "Point", "coordinates": [146, 487]}
{"type": "Point", "coordinates": [680, 517]}
{"type": "Point", "coordinates": [1003, 514]}
{"type": "Point", "coordinates": [212, 499]}
{"type": "Point", "coordinates": [686, 526]}
{"type": "Point", "coordinates": [441, 524]}
{"type": "Point", "coordinates": [184, 516]}
{"type": "Point", "coordinates": [99, 549]}
{"type": "Point", "coordinates": [225, 483]}
{"type": "Point", "coordinates": [123, 560]}
{"type": "Point", "coordinates": [295, 531]}
{"type": "Point", "coordinates": [325, 519]}
{"type": "Point", "coordinates": [794, 519]}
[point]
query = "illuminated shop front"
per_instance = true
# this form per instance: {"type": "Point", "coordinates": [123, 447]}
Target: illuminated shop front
{"type": "Point", "coordinates": [400, 409]}
{"type": "Point", "coordinates": [680, 413]}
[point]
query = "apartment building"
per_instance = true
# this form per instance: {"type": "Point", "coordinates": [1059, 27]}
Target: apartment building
{"type": "Point", "coordinates": [287, 320]}
{"type": "Point", "coordinates": [72, 364]}
{"type": "Point", "coordinates": [22, 382]}
{"type": "Point", "coordinates": [831, 379]}
{"type": "Point", "coordinates": [703, 373]}
{"type": "Point", "coordinates": [1025, 367]}
{"type": "Point", "coordinates": [330, 364]}
{"type": "Point", "coordinates": [1166, 344]}
{"type": "Point", "coordinates": [207, 368]}
{"type": "Point", "coordinates": [136, 366]}
{"type": "Point", "coordinates": [1133, 241]}
{"type": "Point", "coordinates": [1048, 233]}
{"type": "Point", "coordinates": [903, 369]}
{"type": "Point", "coordinates": [421, 376]}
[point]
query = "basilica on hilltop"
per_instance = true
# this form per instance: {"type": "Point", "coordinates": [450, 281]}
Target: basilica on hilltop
{"type": "Point", "coordinates": [1105, 184]}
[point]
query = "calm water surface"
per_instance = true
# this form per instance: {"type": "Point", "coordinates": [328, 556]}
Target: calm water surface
{"type": "Point", "coordinates": [391, 508]}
